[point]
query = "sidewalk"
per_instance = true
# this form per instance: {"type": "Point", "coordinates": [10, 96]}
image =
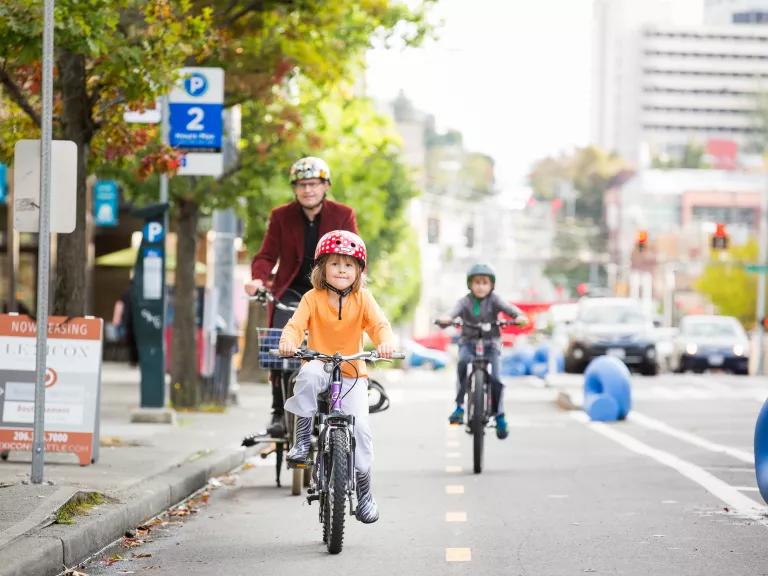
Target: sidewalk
{"type": "Point", "coordinates": [142, 470]}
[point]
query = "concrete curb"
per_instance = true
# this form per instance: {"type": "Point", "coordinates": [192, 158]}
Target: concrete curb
{"type": "Point", "coordinates": [50, 551]}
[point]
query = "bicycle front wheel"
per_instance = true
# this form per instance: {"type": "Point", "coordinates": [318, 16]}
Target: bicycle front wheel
{"type": "Point", "coordinates": [477, 422]}
{"type": "Point", "coordinates": [337, 490]}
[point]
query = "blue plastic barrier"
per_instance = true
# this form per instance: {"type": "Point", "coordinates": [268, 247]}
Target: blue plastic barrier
{"type": "Point", "coordinates": [540, 364]}
{"type": "Point", "coordinates": [607, 389]}
{"type": "Point", "coordinates": [518, 362]}
{"type": "Point", "coordinates": [761, 451]}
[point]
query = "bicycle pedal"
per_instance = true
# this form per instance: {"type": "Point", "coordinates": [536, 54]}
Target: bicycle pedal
{"type": "Point", "coordinates": [297, 465]}
{"type": "Point", "coordinates": [311, 498]}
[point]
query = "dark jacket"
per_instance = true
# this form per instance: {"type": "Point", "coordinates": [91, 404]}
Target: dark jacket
{"type": "Point", "coordinates": [490, 306]}
{"type": "Point", "coordinates": [284, 241]}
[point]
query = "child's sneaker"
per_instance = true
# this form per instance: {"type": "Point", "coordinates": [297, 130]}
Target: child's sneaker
{"type": "Point", "coordinates": [457, 416]}
{"type": "Point", "coordinates": [502, 430]}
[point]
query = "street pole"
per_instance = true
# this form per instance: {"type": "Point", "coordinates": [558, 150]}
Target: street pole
{"type": "Point", "coordinates": [44, 245]}
{"type": "Point", "coordinates": [763, 250]}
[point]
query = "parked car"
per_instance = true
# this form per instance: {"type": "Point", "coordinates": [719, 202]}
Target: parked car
{"type": "Point", "coordinates": [711, 342]}
{"type": "Point", "coordinates": [418, 355]}
{"type": "Point", "coordinates": [612, 326]}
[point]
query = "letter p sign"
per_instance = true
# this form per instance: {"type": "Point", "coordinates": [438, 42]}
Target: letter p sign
{"type": "Point", "coordinates": [153, 232]}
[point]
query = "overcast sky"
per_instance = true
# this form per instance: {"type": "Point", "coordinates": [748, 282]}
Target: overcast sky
{"type": "Point", "coordinates": [512, 75]}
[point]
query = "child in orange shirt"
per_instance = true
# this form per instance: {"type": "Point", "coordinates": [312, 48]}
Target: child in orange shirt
{"type": "Point", "coordinates": [336, 312]}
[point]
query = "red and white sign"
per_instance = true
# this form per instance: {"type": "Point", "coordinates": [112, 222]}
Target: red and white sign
{"type": "Point", "coordinates": [72, 382]}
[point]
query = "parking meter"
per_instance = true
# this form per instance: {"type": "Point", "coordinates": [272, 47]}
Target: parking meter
{"type": "Point", "coordinates": [148, 294]}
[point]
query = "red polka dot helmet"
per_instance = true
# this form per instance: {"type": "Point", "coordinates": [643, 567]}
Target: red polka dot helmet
{"type": "Point", "coordinates": [341, 242]}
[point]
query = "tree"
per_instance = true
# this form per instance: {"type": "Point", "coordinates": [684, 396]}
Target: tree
{"type": "Point", "coordinates": [729, 286]}
{"type": "Point", "coordinates": [266, 48]}
{"type": "Point", "coordinates": [108, 53]}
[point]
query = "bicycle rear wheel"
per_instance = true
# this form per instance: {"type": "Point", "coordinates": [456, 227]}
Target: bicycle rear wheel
{"type": "Point", "coordinates": [289, 379]}
{"type": "Point", "coordinates": [477, 419]}
{"type": "Point", "coordinates": [337, 491]}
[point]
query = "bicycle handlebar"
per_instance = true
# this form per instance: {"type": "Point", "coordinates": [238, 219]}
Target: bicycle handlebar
{"type": "Point", "coordinates": [306, 354]}
{"type": "Point", "coordinates": [485, 326]}
{"type": "Point", "coordinates": [263, 295]}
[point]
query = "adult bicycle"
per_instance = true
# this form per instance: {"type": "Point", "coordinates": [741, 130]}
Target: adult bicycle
{"type": "Point", "coordinates": [333, 480]}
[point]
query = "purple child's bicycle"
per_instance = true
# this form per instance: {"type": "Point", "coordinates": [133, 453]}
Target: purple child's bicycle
{"type": "Point", "coordinates": [333, 478]}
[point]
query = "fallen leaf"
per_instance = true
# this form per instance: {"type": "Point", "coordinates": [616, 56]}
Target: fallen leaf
{"type": "Point", "coordinates": [113, 559]}
{"type": "Point", "coordinates": [132, 542]}
{"type": "Point", "coordinates": [142, 555]}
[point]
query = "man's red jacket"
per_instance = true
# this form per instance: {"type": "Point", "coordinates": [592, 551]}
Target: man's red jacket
{"type": "Point", "coordinates": [284, 241]}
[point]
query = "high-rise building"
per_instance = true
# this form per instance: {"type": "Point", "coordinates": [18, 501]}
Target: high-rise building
{"type": "Point", "coordinates": [668, 91]}
{"type": "Point", "coordinates": [725, 12]}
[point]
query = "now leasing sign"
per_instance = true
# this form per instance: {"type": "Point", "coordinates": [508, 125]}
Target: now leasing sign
{"type": "Point", "coordinates": [72, 383]}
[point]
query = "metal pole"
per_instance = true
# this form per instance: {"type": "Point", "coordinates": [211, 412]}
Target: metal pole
{"type": "Point", "coordinates": [11, 250]}
{"type": "Point", "coordinates": [44, 246]}
{"type": "Point", "coordinates": [763, 250]}
{"type": "Point", "coordinates": [165, 129]}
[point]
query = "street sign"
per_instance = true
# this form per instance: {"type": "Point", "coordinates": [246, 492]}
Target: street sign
{"type": "Point", "coordinates": [105, 203]}
{"type": "Point", "coordinates": [72, 382]}
{"type": "Point", "coordinates": [196, 105]}
{"type": "Point", "coordinates": [26, 182]}
{"type": "Point", "coordinates": [756, 268]}
{"type": "Point", "coordinates": [3, 183]}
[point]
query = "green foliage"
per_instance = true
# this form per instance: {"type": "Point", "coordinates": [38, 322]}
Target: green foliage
{"type": "Point", "coordinates": [692, 158]}
{"type": "Point", "coordinates": [729, 286]}
{"type": "Point", "coordinates": [589, 170]}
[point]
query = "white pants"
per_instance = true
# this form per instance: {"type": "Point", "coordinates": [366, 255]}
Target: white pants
{"type": "Point", "coordinates": [313, 380]}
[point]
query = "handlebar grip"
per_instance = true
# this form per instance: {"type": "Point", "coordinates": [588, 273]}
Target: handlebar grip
{"type": "Point", "coordinates": [274, 352]}
{"type": "Point", "coordinates": [398, 355]}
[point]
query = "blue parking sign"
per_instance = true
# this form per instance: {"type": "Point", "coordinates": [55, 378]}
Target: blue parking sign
{"type": "Point", "coordinates": [196, 127]}
{"type": "Point", "coordinates": [106, 203]}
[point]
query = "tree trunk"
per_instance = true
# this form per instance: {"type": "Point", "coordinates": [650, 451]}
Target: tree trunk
{"type": "Point", "coordinates": [69, 298]}
{"type": "Point", "coordinates": [249, 367]}
{"type": "Point", "coordinates": [185, 389]}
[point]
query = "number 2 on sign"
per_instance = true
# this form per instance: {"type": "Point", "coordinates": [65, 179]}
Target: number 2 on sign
{"type": "Point", "coordinates": [196, 124]}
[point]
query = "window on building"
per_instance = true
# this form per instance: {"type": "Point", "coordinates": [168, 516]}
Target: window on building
{"type": "Point", "coordinates": [469, 235]}
{"type": "Point", "coordinates": [433, 230]}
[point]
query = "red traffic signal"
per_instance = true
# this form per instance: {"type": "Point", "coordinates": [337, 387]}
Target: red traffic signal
{"type": "Point", "coordinates": [720, 238]}
{"type": "Point", "coordinates": [642, 240]}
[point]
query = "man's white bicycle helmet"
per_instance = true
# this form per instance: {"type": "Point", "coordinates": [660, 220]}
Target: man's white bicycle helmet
{"type": "Point", "coordinates": [310, 167]}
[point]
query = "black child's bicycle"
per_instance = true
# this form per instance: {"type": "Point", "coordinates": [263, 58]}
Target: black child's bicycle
{"type": "Point", "coordinates": [333, 479]}
{"type": "Point", "coordinates": [480, 409]}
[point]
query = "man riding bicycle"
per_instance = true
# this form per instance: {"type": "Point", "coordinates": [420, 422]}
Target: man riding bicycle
{"type": "Point", "coordinates": [290, 242]}
{"type": "Point", "coordinates": [481, 305]}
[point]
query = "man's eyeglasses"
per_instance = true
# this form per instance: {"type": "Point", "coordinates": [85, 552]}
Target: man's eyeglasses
{"type": "Point", "coordinates": [308, 184]}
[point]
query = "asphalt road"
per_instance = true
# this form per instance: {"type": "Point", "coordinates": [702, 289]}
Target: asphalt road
{"type": "Point", "coordinates": [669, 491]}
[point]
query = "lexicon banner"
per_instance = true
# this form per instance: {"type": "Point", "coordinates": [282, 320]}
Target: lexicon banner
{"type": "Point", "coordinates": [72, 385]}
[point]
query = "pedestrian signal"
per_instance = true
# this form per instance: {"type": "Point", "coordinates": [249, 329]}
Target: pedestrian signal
{"type": "Point", "coordinates": [642, 240]}
{"type": "Point", "coordinates": [720, 238]}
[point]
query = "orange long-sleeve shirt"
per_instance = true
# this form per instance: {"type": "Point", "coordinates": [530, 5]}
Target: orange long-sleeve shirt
{"type": "Point", "coordinates": [328, 334]}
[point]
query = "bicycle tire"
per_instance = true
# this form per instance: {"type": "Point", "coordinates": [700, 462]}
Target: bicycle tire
{"type": "Point", "coordinates": [289, 379]}
{"type": "Point", "coordinates": [381, 400]}
{"type": "Point", "coordinates": [478, 419]}
{"type": "Point", "coordinates": [337, 490]}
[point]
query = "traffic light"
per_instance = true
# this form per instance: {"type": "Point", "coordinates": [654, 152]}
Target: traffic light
{"type": "Point", "coordinates": [642, 240]}
{"type": "Point", "coordinates": [720, 238]}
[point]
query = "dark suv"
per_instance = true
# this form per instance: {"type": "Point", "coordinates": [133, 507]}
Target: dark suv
{"type": "Point", "coordinates": [616, 327]}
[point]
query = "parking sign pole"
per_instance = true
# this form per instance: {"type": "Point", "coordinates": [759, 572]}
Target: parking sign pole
{"type": "Point", "coordinates": [44, 245]}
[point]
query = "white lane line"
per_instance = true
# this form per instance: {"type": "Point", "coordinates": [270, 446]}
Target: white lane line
{"type": "Point", "coordinates": [458, 554]}
{"type": "Point", "coordinates": [747, 488]}
{"type": "Point", "coordinates": [453, 454]}
{"type": "Point", "coordinates": [455, 516]}
{"type": "Point", "coordinates": [452, 444]}
{"type": "Point", "coordinates": [454, 469]}
{"type": "Point", "coordinates": [454, 489]}
{"type": "Point", "coordinates": [664, 428]}
{"type": "Point", "coordinates": [739, 503]}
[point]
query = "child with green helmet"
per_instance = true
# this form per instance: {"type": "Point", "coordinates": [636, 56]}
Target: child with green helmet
{"type": "Point", "coordinates": [481, 304]}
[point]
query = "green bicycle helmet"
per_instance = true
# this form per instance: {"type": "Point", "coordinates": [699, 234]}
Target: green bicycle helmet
{"type": "Point", "coordinates": [481, 270]}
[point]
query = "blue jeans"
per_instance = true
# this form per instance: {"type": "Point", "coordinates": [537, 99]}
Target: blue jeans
{"type": "Point", "coordinates": [466, 355]}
